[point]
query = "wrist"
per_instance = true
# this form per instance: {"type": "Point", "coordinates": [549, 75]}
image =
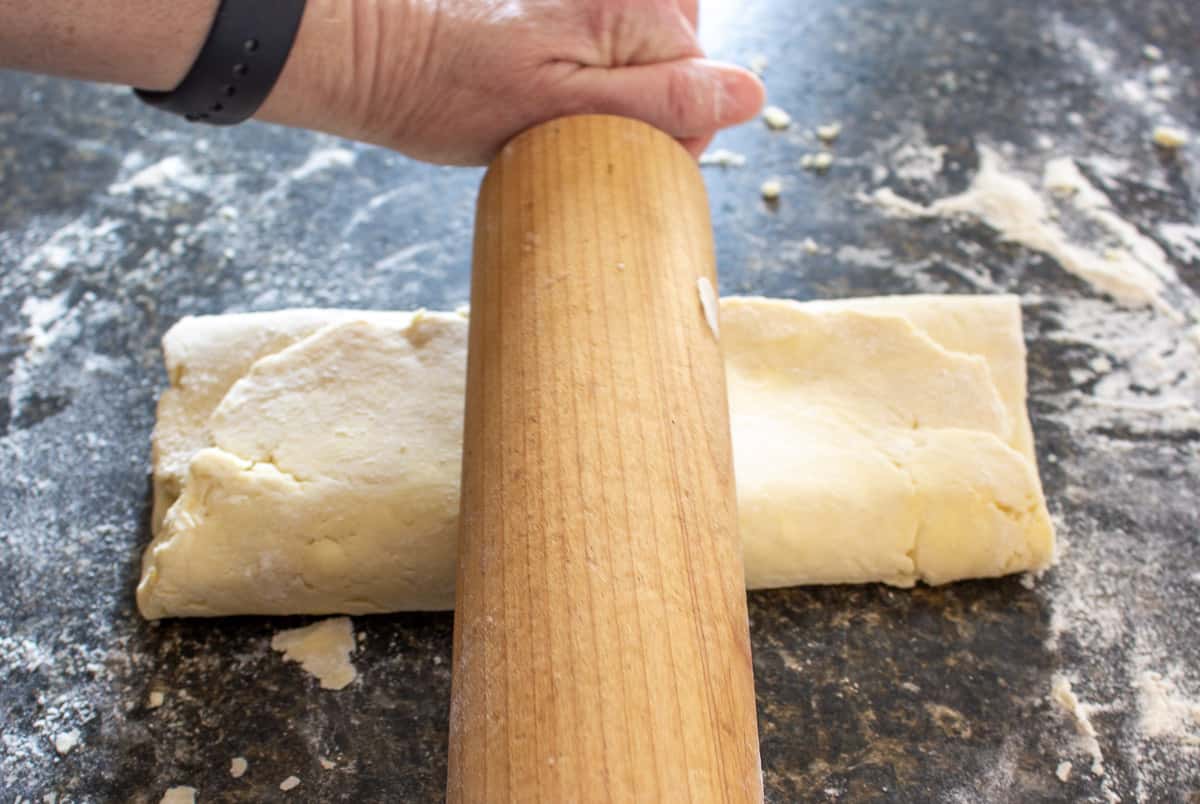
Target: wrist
{"type": "Point", "coordinates": [144, 43]}
{"type": "Point", "coordinates": [351, 60]}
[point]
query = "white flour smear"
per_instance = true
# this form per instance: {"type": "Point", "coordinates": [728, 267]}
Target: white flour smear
{"type": "Point", "coordinates": [1124, 263]}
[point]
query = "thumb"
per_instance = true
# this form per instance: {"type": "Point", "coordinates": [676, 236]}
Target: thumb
{"type": "Point", "coordinates": [688, 98]}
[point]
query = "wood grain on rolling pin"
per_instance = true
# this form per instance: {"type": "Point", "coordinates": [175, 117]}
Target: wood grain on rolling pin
{"type": "Point", "coordinates": [601, 643]}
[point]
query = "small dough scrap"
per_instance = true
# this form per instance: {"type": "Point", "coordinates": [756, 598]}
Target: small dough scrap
{"type": "Point", "coordinates": [179, 795]}
{"type": "Point", "coordinates": [776, 118]}
{"type": "Point", "coordinates": [771, 189]}
{"type": "Point", "coordinates": [322, 649]}
{"type": "Point", "coordinates": [307, 462]}
{"type": "Point", "coordinates": [1169, 137]}
{"type": "Point", "coordinates": [66, 742]}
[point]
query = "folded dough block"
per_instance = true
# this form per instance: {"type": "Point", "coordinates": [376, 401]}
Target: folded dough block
{"type": "Point", "coordinates": [307, 461]}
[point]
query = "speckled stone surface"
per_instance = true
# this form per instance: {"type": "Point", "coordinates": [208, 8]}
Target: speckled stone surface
{"type": "Point", "coordinates": [116, 221]}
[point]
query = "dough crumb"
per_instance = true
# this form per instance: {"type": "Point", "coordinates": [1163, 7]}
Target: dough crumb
{"type": "Point", "coordinates": [237, 767]}
{"type": "Point", "coordinates": [1152, 53]}
{"type": "Point", "coordinates": [327, 764]}
{"type": "Point", "coordinates": [819, 162]}
{"type": "Point", "coordinates": [771, 189]}
{"type": "Point", "coordinates": [829, 133]}
{"type": "Point", "coordinates": [722, 157]}
{"type": "Point", "coordinates": [710, 305]}
{"type": "Point", "coordinates": [156, 699]}
{"type": "Point", "coordinates": [65, 743]}
{"type": "Point", "coordinates": [1063, 771]}
{"type": "Point", "coordinates": [290, 783]}
{"type": "Point", "coordinates": [810, 246]}
{"type": "Point", "coordinates": [776, 119]}
{"type": "Point", "coordinates": [322, 649]}
{"type": "Point", "coordinates": [1169, 137]}
{"type": "Point", "coordinates": [179, 795]}
{"type": "Point", "coordinates": [758, 64]}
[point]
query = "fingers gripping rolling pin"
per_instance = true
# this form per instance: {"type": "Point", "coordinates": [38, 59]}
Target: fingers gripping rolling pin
{"type": "Point", "coordinates": [601, 649]}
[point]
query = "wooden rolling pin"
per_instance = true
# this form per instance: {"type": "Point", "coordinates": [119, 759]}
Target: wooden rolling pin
{"type": "Point", "coordinates": [601, 648]}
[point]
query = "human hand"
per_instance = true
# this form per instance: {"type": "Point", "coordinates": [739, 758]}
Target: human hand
{"type": "Point", "coordinates": [451, 81]}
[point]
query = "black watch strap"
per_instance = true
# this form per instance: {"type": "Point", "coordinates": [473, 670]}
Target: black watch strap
{"type": "Point", "coordinates": [238, 65]}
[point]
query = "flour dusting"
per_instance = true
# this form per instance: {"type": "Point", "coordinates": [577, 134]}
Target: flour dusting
{"type": "Point", "coordinates": [324, 159]}
{"type": "Point", "coordinates": [1165, 713]}
{"type": "Point", "coordinates": [1011, 206]}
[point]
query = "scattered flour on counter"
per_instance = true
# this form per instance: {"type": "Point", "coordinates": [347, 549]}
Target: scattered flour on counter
{"type": "Point", "coordinates": [909, 156]}
{"type": "Point", "coordinates": [1080, 713]}
{"type": "Point", "coordinates": [171, 173]}
{"type": "Point", "coordinates": [1139, 381]}
{"type": "Point", "coordinates": [42, 313]}
{"type": "Point", "coordinates": [52, 324]}
{"type": "Point", "coordinates": [1164, 713]}
{"type": "Point", "coordinates": [1137, 251]}
{"type": "Point", "coordinates": [70, 677]}
{"type": "Point", "coordinates": [1145, 371]}
{"type": "Point", "coordinates": [322, 649]}
{"type": "Point", "coordinates": [1182, 239]}
{"type": "Point", "coordinates": [915, 161]}
{"type": "Point", "coordinates": [1140, 85]}
{"type": "Point", "coordinates": [324, 159]}
{"type": "Point", "coordinates": [879, 258]}
{"type": "Point", "coordinates": [1160, 74]}
{"type": "Point", "coordinates": [1133, 271]}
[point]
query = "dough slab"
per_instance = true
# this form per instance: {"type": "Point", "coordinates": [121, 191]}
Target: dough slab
{"type": "Point", "coordinates": [307, 461]}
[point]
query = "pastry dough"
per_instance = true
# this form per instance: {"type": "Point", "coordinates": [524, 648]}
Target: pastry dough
{"type": "Point", "coordinates": [307, 461]}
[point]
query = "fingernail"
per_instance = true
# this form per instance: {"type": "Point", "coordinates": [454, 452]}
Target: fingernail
{"type": "Point", "coordinates": [738, 94]}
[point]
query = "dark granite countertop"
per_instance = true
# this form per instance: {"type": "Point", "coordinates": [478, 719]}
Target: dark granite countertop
{"type": "Point", "coordinates": [116, 221]}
